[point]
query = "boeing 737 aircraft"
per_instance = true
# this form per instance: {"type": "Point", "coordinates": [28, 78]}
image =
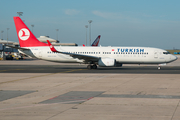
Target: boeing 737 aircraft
{"type": "Point", "coordinates": [93, 56]}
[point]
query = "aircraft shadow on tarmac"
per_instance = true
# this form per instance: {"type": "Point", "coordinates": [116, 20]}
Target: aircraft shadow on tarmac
{"type": "Point", "coordinates": [126, 69]}
{"type": "Point", "coordinates": [83, 69]}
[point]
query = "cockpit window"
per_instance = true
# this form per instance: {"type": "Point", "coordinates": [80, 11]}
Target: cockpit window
{"type": "Point", "coordinates": [166, 53]}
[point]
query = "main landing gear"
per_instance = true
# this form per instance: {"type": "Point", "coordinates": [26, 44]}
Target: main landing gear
{"type": "Point", "coordinates": [94, 66]}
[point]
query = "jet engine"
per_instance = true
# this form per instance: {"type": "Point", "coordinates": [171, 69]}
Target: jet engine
{"type": "Point", "coordinates": [106, 62]}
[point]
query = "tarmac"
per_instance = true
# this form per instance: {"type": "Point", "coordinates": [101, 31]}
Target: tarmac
{"type": "Point", "coordinates": [36, 89]}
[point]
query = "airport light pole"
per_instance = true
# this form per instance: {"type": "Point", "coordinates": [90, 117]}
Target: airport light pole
{"type": "Point", "coordinates": [57, 33]}
{"type": "Point", "coordinates": [86, 26]}
{"type": "Point", "coordinates": [90, 21]}
{"type": "Point", "coordinates": [7, 35]}
{"type": "Point", "coordinates": [32, 27]}
{"type": "Point", "coordinates": [20, 13]}
{"type": "Point", "coordinates": [2, 34]}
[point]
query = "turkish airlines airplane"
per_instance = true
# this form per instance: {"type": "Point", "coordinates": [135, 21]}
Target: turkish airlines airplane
{"type": "Point", "coordinates": [93, 56]}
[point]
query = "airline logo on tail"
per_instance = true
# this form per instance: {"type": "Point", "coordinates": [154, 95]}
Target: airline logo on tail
{"type": "Point", "coordinates": [24, 34]}
{"type": "Point", "coordinates": [96, 42]}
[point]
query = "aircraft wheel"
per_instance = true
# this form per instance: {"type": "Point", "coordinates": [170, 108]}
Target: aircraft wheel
{"type": "Point", "coordinates": [89, 67]}
{"type": "Point", "coordinates": [94, 66]}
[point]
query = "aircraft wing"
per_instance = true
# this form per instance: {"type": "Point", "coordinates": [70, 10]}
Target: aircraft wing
{"type": "Point", "coordinates": [17, 47]}
{"type": "Point", "coordinates": [86, 58]}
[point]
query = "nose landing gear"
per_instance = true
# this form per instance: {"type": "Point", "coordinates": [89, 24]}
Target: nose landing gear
{"type": "Point", "coordinates": [159, 66]}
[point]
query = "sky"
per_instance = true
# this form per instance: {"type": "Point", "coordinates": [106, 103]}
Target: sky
{"type": "Point", "coordinates": [143, 23]}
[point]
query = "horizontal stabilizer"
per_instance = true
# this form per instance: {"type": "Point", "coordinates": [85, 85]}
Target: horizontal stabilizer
{"type": "Point", "coordinates": [17, 47]}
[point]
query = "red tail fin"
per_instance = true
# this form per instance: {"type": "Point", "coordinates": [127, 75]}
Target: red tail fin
{"type": "Point", "coordinates": [51, 47]}
{"type": "Point", "coordinates": [96, 42]}
{"type": "Point", "coordinates": [25, 36]}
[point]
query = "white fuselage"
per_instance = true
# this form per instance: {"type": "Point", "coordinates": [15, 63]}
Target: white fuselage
{"type": "Point", "coordinates": [123, 55]}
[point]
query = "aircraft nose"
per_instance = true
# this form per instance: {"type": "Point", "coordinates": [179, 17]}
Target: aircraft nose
{"type": "Point", "coordinates": [174, 57]}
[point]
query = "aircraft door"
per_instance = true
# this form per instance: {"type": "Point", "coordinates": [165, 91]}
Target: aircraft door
{"type": "Point", "coordinates": [155, 54]}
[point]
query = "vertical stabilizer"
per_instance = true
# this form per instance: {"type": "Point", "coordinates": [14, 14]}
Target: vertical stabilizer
{"type": "Point", "coordinates": [96, 42]}
{"type": "Point", "coordinates": [25, 36]}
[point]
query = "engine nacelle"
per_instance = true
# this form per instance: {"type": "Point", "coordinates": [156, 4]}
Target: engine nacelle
{"type": "Point", "coordinates": [106, 62]}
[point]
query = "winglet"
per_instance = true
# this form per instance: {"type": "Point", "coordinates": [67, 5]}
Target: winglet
{"type": "Point", "coordinates": [51, 47]}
